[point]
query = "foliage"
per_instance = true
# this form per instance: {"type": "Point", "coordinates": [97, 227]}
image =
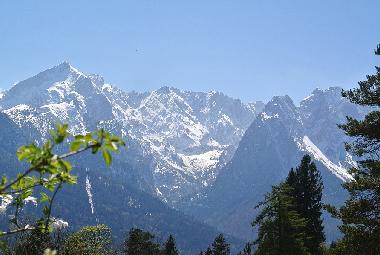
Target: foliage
{"type": "Point", "coordinates": [220, 246]}
{"type": "Point", "coordinates": [280, 226]}
{"type": "Point", "coordinates": [90, 240]}
{"type": "Point", "coordinates": [360, 215]}
{"type": "Point", "coordinates": [170, 247]}
{"type": "Point", "coordinates": [140, 242]}
{"type": "Point", "coordinates": [247, 249]}
{"type": "Point", "coordinates": [208, 251]}
{"type": "Point", "coordinates": [306, 192]}
{"type": "Point", "coordinates": [48, 172]}
{"type": "Point", "coordinates": [32, 242]}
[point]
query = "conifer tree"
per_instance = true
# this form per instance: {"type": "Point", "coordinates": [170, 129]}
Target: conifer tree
{"type": "Point", "coordinates": [306, 191]}
{"type": "Point", "coordinates": [140, 242]}
{"type": "Point", "coordinates": [279, 225]}
{"type": "Point", "coordinates": [360, 215]}
{"type": "Point", "coordinates": [247, 249]}
{"type": "Point", "coordinates": [220, 246]}
{"type": "Point", "coordinates": [208, 251]}
{"type": "Point", "coordinates": [170, 247]}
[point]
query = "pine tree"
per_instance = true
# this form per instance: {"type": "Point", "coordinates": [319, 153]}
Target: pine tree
{"type": "Point", "coordinates": [247, 250]}
{"type": "Point", "coordinates": [306, 191]}
{"type": "Point", "coordinates": [220, 246]}
{"type": "Point", "coordinates": [360, 215]}
{"type": "Point", "coordinates": [170, 247]}
{"type": "Point", "coordinates": [140, 242]}
{"type": "Point", "coordinates": [279, 225]}
{"type": "Point", "coordinates": [208, 251]}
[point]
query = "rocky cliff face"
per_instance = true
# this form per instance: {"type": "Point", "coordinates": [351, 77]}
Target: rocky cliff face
{"type": "Point", "coordinates": [271, 146]}
{"type": "Point", "coordinates": [180, 138]}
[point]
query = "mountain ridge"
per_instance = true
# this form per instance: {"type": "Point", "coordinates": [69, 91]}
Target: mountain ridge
{"type": "Point", "coordinates": [274, 143]}
{"type": "Point", "coordinates": [185, 135]}
{"type": "Point", "coordinates": [203, 153]}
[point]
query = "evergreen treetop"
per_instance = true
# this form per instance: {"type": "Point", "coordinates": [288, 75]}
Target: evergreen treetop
{"type": "Point", "coordinates": [306, 187]}
{"type": "Point", "coordinates": [220, 246]}
{"type": "Point", "coordinates": [170, 246]}
{"type": "Point", "coordinates": [141, 242]}
{"type": "Point", "coordinates": [280, 227]}
{"type": "Point", "coordinates": [360, 215]}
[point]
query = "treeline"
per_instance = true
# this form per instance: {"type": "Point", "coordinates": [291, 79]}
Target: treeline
{"type": "Point", "coordinates": [97, 240]}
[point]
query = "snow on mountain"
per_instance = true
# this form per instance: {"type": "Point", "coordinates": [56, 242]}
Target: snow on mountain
{"type": "Point", "coordinates": [313, 125]}
{"type": "Point", "coordinates": [189, 134]}
{"type": "Point", "coordinates": [59, 94]}
{"type": "Point", "coordinates": [184, 137]}
{"type": "Point", "coordinates": [273, 144]}
{"type": "Point", "coordinates": [320, 114]}
{"type": "Point", "coordinates": [339, 171]}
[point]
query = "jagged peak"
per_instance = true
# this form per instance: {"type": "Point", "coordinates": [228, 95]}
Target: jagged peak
{"type": "Point", "coordinates": [64, 67]}
{"type": "Point", "coordinates": [331, 94]}
{"type": "Point", "coordinates": [34, 90]}
{"type": "Point", "coordinates": [330, 90]}
{"type": "Point", "coordinates": [215, 93]}
{"type": "Point", "coordinates": [281, 100]}
{"type": "Point", "coordinates": [97, 79]}
{"type": "Point", "coordinates": [280, 106]}
{"type": "Point", "coordinates": [58, 72]}
{"type": "Point", "coordinates": [167, 89]}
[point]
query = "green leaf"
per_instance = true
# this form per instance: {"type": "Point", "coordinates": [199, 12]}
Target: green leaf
{"type": "Point", "coordinates": [4, 180]}
{"type": "Point", "coordinates": [46, 210]}
{"type": "Point", "coordinates": [107, 157]}
{"type": "Point", "coordinates": [65, 165]}
{"type": "Point", "coordinates": [75, 145]}
{"type": "Point", "coordinates": [3, 245]}
{"type": "Point", "coordinates": [44, 197]}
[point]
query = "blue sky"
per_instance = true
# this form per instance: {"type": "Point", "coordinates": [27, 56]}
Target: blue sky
{"type": "Point", "coordinates": [247, 49]}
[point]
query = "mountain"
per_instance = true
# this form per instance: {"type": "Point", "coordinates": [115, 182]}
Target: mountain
{"type": "Point", "coordinates": [271, 146]}
{"type": "Point", "coordinates": [205, 154]}
{"type": "Point", "coordinates": [11, 138]}
{"type": "Point", "coordinates": [176, 139]}
{"type": "Point", "coordinates": [176, 142]}
{"type": "Point", "coordinates": [101, 199]}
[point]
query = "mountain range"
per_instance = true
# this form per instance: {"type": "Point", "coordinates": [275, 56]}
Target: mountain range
{"type": "Point", "coordinates": [196, 163]}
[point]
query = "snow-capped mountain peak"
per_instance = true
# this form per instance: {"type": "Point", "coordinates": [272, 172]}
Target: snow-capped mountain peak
{"type": "Point", "coordinates": [59, 94]}
{"type": "Point", "coordinates": [184, 136]}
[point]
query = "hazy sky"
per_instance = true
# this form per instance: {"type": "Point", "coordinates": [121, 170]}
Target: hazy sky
{"type": "Point", "coordinates": [248, 49]}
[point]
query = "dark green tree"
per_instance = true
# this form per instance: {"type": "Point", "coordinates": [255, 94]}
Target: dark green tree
{"type": "Point", "coordinates": [280, 227]}
{"type": "Point", "coordinates": [306, 187]}
{"type": "Point", "coordinates": [34, 242]}
{"type": "Point", "coordinates": [170, 247]}
{"type": "Point", "coordinates": [360, 215]}
{"type": "Point", "coordinates": [140, 242]}
{"type": "Point", "coordinates": [208, 251]}
{"type": "Point", "coordinates": [220, 246]}
{"type": "Point", "coordinates": [247, 249]}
